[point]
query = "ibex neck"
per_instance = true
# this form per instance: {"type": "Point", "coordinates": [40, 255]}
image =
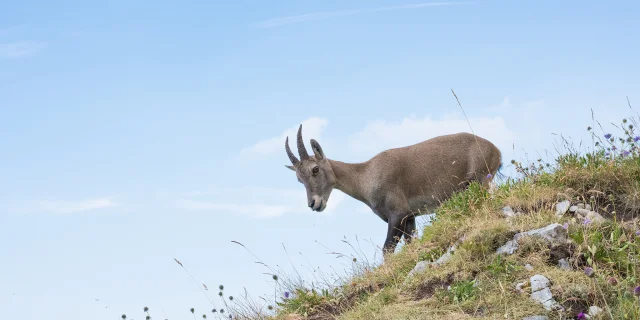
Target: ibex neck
{"type": "Point", "coordinates": [349, 177]}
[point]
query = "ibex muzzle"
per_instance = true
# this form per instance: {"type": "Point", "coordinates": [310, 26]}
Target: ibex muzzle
{"type": "Point", "coordinates": [398, 184]}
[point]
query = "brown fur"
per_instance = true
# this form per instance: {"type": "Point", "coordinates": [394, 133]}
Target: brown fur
{"type": "Point", "coordinates": [401, 183]}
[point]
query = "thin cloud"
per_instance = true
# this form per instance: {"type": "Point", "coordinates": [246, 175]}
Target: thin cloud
{"type": "Point", "coordinates": [265, 204]}
{"type": "Point", "coordinates": [70, 207]}
{"type": "Point", "coordinates": [276, 22]}
{"type": "Point", "coordinates": [20, 49]}
{"type": "Point", "coordinates": [381, 135]}
{"type": "Point", "coordinates": [312, 127]}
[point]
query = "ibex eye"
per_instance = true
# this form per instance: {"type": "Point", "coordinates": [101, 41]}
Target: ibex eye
{"type": "Point", "coordinates": [315, 169]}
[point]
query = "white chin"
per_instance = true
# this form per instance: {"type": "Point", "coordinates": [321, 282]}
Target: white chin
{"type": "Point", "coordinates": [323, 205]}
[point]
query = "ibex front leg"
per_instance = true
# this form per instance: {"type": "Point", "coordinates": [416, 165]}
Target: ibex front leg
{"type": "Point", "coordinates": [394, 233]}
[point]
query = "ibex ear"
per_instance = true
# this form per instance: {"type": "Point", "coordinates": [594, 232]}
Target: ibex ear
{"type": "Point", "coordinates": [317, 150]}
{"type": "Point", "coordinates": [290, 167]}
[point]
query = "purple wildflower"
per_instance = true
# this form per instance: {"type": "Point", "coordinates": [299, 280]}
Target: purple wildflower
{"type": "Point", "coordinates": [636, 291]}
{"type": "Point", "coordinates": [614, 148]}
{"type": "Point", "coordinates": [582, 316]}
{"type": "Point", "coordinates": [638, 233]}
{"type": "Point", "coordinates": [286, 294]}
{"type": "Point", "coordinates": [586, 221]}
{"type": "Point", "coordinates": [588, 271]}
{"type": "Point", "coordinates": [489, 176]}
{"type": "Point", "coordinates": [636, 138]}
{"type": "Point", "coordinates": [565, 226]}
{"type": "Point", "coordinates": [607, 136]}
{"type": "Point", "coordinates": [625, 153]}
{"type": "Point", "coordinates": [607, 154]}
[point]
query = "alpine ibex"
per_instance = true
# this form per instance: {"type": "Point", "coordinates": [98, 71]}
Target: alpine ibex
{"type": "Point", "coordinates": [398, 183]}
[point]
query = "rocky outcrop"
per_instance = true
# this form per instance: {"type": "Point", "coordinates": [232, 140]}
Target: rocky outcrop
{"type": "Point", "coordinates": [551, 233]}
{"type": "Point", "coordinates": [583, 212]}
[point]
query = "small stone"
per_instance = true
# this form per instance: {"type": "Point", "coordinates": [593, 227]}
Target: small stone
{"type": "Point", "coordinates": [552, 232]}
{"type": "Point", "coordinates": [508, 212]}
{"type": "Point", "coordinates": [580, 205]}
{"type": "Point", "coordinates": [588, 271]}
{"type": "Point", "coordinates": [545, 297]}
{"type": "Point", "coordinates": [509, 248]}
{"type": "Point", "coordinates": [594, 310]}
{"type": "Point", "coordinates": [562, 207]}
{"type": "Point", "coordinates": [528, 267]}
{"type": "Point", "coordinates": [564, 264]}
{"type": "Point", "coordinates": [594, 216]}
{"type": "Point", "coordinates": [589, 216]}
{"type": "Point", "coordinates": [573, 209]}
{"type": "Point", "coordinates": [445, 257]}
{"type": "Point", "coordinates": [539, 282]}
{"type": "Point", "coordinates": [588, 207]}
{"type": "Point", "coordinates": [421, 266]}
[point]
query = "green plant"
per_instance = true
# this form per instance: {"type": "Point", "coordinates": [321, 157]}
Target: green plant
{"type": "Point", "coordinates": [503, 267]}
{"type": "Point", "coordinates": [463, 290]}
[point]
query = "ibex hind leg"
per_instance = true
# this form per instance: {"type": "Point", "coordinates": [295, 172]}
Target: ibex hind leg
{"type": "Point", "coordinates": [394, 233]}
{"type": "Point", "coordinates": [409, 229]}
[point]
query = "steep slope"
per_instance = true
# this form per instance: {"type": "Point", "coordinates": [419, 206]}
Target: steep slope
{"type": "Point", "coordinates": [583, 262]}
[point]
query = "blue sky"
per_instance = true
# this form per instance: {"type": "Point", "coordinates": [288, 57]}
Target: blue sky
{"type": "Point", "coordinates": [133, 133]}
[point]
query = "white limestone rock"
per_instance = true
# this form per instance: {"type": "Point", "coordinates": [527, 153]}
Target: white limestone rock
{"type": "Point", "coordinates": [562, 207]}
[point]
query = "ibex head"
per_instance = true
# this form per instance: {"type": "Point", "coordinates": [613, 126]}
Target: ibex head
{"type": "Point", "coordinates": [314, 172]}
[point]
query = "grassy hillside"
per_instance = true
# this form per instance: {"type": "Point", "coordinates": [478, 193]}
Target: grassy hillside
{"type": "Point", "coordinates": [601, 251]}
{"type": "Point", "coordinates": [586, 258]}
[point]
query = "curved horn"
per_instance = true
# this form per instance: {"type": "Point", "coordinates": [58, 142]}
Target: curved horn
{"type": "Point", "coordinates": [302, 151]}
{"type": "Point", "coordinates": [292, 157]}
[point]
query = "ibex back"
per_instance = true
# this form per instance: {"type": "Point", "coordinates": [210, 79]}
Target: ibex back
{"type": "Point", "coordinates": [398, 184]}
